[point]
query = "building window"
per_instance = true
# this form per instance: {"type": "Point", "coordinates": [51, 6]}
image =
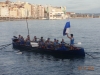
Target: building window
{"type": "Point", "coordinates": [50, 15]}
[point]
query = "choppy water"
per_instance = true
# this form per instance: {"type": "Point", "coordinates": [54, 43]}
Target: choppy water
{"type": "Point", "coordinates": [13, 62]}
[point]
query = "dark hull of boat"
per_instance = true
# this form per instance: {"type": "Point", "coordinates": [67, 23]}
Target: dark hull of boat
{"type": "Point", "coordinates": [57, 53]}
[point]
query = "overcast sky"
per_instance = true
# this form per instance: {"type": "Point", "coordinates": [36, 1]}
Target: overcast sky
{"type": "Point", "coordinates": [81, 6]}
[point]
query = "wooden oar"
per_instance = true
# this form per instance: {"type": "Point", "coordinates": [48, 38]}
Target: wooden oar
{"type": "Point", "coordinates": [4, 46]}
{"type": "Point", "coordinates": [90, 55]}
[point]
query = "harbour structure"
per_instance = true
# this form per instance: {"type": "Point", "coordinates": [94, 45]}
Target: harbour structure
{"type": "Point", "coordinates": [81, 15]}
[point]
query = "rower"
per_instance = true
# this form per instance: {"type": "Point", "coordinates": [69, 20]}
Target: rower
{"type": "Point", "coordinates": [62, 42]}
{"type": "Point", "coordinates": [41, 43]}
{"type": "Point", "coordinates": [35, 39]}
{"type": "Point", "coordinates": [57, 42]}
{"type": "Point", "coordinates": [54, 42]}
{"type": "Point", "coordinates": [28, 40]}
{"type": "Point", "coordinates": [48, 43]}
{"type": "Point", "coordinates": [22, 41]}
{"type": "Point", "coordinates": [19, 37]}
{"type": "Point", "coordinates": [57, 45]}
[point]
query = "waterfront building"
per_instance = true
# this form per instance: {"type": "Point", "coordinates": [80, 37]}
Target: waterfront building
{"type": "Point", "coordinates": [4, 11]}
{"type": "Point", "coordinates": [34, 11]}
{"type": "Point", "coordinates": [18, 9]}
{"type": "Point", "coordinates": [3, 4]}
{"type": "Point", "coordinates": [55, 12]}
{"type": "Point", "coordinates": [22, 13]}
{"type": "Point", "coordinates": [13, 12]}
{"type": "Point", "coordinates": [27, 9]}
{"type": "Point", "coordinates": [68, 15]}
{"type": "Point", "coordinates": [82, 15]}
{"type": "Point", "coordinates": [37, 11]}
{"type": "Point", "coordinates": [96, 16]}
{"type": "Point", "coordinates": [22, 10]}
{"type": "Point", "coordinates": [40, 12]}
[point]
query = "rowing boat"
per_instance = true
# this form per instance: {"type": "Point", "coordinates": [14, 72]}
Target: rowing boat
{"type": "Point", "coordinates": [77, 52]}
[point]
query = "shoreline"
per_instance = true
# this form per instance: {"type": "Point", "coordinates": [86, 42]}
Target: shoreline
{"type": "Point", "coordinates": [40, 19]}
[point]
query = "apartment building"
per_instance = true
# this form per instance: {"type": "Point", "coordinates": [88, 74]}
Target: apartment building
{"type": "Point", "coordinates": [3, 4]}
{"type": "Point", "coordinates": [4, 11]}
{"type": "Point", "coordinates": [37, 11]}
{"type": "Point", "coordinates": [27, 7]}
{"type": "Point", "coordinates": [34, 11]}
{"type": "Point", "coordinates": [13, 12]}
{"type": "Point", "coordinates": [40, 11]}
{"type": "Point", "coordinates": [55, 12]}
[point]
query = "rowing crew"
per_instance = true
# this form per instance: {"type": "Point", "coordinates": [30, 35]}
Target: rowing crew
{"type": "Point", "coordinates": [51, 44]}
{"type": "Point", "coordinates": [44, 44]}
{"type": "Point", "coordinates": [22, 40]}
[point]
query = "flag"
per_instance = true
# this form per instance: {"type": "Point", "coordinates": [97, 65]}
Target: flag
{"type": "Point", "coordinates": [66, 28]}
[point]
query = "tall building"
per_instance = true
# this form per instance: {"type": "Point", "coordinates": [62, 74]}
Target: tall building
{"type": "Point", "coordinates": [37, 11]}
{"type": "Point", "coordinates": [34, 11]}
{"type": "Point", "coordinates": [40, 11]}
{"type": "Point", "coordinates": [27, 7]}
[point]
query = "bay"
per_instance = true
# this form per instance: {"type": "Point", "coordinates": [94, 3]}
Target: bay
{"type": "Point", "coordinates": [85, 31]}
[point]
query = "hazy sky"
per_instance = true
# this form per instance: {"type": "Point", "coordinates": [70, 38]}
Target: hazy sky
{"type": "Point", "coordinates": [81, 6]}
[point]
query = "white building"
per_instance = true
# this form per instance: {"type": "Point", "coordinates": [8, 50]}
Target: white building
{"type": "Point", "coordinates": [4, 12]}
{"type": "Point", "coordinates": [55, 12]}
{"type": "Point", "coordinates": [56, 15]}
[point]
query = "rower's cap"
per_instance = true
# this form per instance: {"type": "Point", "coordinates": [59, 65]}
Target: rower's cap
{"type": "Point", "coordinates": [71, 34]}
{"type": "Point", "coordinates": [54, 38]}
{"type": "Point", "coordinates": [48, 38]}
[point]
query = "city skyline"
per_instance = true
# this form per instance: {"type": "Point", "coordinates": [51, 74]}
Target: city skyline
{"type": "Point", "coordinates": [78, 6]}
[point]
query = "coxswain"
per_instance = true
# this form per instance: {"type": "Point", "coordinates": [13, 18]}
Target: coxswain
{"type": "Point", "coordinates": [71, 40]}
